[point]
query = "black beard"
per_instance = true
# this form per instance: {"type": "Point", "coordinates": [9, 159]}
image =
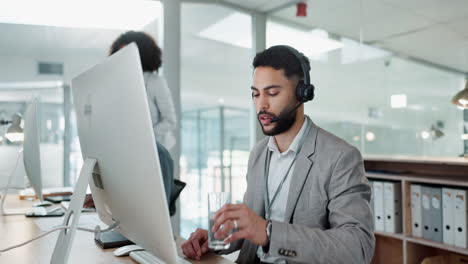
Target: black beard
{"type": "Point", "coordinates": [282, 125]}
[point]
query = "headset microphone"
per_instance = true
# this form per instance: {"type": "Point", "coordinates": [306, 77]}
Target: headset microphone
{"type": "Point", "coordinates": [278, 118]}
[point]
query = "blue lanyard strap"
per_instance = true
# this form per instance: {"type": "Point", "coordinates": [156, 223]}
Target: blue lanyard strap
{"type": "Point", "coordinates": [266, 197]}
{"type": "Point", "coordinates": [268, 204]}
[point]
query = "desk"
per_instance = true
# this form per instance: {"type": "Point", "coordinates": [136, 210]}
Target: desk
{"type": "Point", "coordinates": [17, 228]}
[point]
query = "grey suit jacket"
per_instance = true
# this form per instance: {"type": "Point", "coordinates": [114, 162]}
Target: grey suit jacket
{"type": "Point", "coordinates": [329, 219]}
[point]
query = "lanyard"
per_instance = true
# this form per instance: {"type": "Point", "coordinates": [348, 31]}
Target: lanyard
{"type": "Point", "coordinates": [266, 197]}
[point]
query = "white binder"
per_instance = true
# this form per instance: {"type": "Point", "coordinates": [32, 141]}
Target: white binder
{"type": "Point", "coordinates": [379, 206]}
{"type": "Point", "coordinates": [448, 214]}
{"type": "Point", "coordinates": [426, 212]}
{"type": "Point", "coordinates": [392, 207]}
{"type": "Point", "coordinates": [436, 214]}
{"type": "Point", "coordinates": [416, 217]}
{"type": "Point", "coordinates": [460, 218]}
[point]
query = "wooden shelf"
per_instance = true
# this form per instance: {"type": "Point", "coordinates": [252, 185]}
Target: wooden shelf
{"type": "Point", "coordinates": [421, 241]}
{"type": "Point", "coordinates": [403, 248]}
{"type": "Point", "coordinates": [392, 235]}
{"type": "Point", "coordinates": [390, 250]}
{"type": "Point", "coordinates": [428, 179]}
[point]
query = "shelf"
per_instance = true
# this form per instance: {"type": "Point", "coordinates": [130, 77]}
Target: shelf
{"type": "Point", "coordinates": [391, 235]}
{"type": "Point", "coordinates": [390, 250]}
{"type": "Point", "coordinates": [402, 248]}
{"type": "Point", "coordinates": [428, 179]}
{"type": "Point", "coordinates": [384, 176]}
{"type": "Point", "coordinates": [421, 160]}
{"type": "Point", "coordinates": [424, 242]}
{"type": "Point", "coordinates": [441, 167]}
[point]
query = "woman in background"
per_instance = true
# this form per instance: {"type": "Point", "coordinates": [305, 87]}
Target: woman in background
{"type": "Point", "coordinates": [159, 97]}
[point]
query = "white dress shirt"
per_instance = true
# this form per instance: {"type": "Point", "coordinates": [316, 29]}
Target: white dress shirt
{"type": "Point", "coordinates": [161, 108]}
{"type": "Point", "coordinates": [279, 165]}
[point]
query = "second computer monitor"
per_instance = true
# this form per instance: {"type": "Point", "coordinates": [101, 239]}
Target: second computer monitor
{"type": "Point", "coordinates": [31, 147]}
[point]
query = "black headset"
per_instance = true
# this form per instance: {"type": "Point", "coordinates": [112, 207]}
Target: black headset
{"type": "Point", "coordinates": [305, 91]}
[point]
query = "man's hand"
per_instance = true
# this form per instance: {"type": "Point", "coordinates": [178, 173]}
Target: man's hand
{"type": "Point", "coordinates": [88, 202]}
{"type": "Point", "coordinates": [250, 226]}
{"type": "Point", "coordinates": [196, 245]}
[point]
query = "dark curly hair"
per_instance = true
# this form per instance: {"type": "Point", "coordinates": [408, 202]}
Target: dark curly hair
{"type": "Point", "coordinates": [150, 53]}
{"type": "Point", "coordinates": [281, 58]}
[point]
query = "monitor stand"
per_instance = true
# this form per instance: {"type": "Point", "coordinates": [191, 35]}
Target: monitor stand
{"type": "Point", "coordinates": [12, 211]}
{"type": "Point", "coordinates": [65, 239]}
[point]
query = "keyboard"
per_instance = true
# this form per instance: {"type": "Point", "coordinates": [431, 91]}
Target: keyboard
{"type": "Point", "coordinates": [144, 257]}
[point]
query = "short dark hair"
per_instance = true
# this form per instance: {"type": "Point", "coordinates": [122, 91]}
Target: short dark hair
{"type": "Point", "coordinates": [281, 58]}
{"type": "Point", "coordinates": [150, 53]}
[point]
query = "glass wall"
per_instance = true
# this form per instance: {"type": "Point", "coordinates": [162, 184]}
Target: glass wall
{"type": "Point", "coordinates": [380, 102]}
{"type": "Point", "coordinates": [15, 97]}
{"type": "Point", "coordinates": [44, 46]}
{"type": "Point", "coordinates": [215, 80]}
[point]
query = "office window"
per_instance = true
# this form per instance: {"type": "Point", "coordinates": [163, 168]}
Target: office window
{"type": "Point", "coordinates": [215, 79]}
{"type": "Point", "coordinates": [372, 98]}
{"type": "Point", "coordinates": [44, 45]}
{"type": "Point", "coordinates": [15, 97]}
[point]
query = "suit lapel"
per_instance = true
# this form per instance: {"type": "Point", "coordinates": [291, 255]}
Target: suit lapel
{"type": "Point", "coordinates": [301, 171]}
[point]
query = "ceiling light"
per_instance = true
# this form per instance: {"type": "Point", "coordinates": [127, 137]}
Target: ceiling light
{"type": "Point", "coordinates": [370, 136]}
{"type": "Point", "coordinates": [464, 137]}
{"type": "Point", "coordinates": [398, 101]}
{"type": "Point", "coordinates": [425, 135]}
{"type": "Point", "coordinates": [31, 85]}
{"type": "Point", "coordinates": [461, 98]}
{"type": "Point", "coordinates": [231, 30]}
{"type": "Point", "coordinates": [119, 14]}
{"type": "Point", "coordinates": [312, 42]}
{"type": "Point", "coordinates": [356, 52]}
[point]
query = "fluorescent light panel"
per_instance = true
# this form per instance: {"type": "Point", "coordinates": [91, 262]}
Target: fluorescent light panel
{"type": "Point", "coordinates": [123, 14]}
{"type": "Point", "coordinates": [235, 30]}
{"type": "Point", "coordinates": [398, 101]}
{"type": "Point", "coordinates": [29, 85]}
{"type": "Point", "coordinates": [355, 52]}
{"type": "Point", "coordinates": [425, 134]}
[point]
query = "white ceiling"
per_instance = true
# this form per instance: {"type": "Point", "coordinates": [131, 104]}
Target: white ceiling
{"type": "Point", "coordinates": [44, 41]}
{"type": "Point", "coordinates": [432, 30]}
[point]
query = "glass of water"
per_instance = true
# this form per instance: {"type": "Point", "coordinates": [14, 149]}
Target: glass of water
{"type": "Point", "coordinates": [216, 200]}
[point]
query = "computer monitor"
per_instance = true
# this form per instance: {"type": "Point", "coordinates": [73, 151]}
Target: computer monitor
{"type": "Point", "coordinates": [115, 130]}
{"type": "Point", "coordinates": [32, 162]}
{"type": "Point", "coordinates": [31, 148]}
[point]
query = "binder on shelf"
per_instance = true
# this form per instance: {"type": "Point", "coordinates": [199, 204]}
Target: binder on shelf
{"type": "Point", "coordinates": [379, 206]}
{"type": "Point", "coordinates": [436, 214]}
{"type": "Point", "coordinates": [426, 212]}
{"type": "Point", "coordinates": [416, 217]}
{"type": "Point", "coordinates": [392, 207]}
{"type": "Point", "coordinates": [448, 221]}
{"type": "Point", "coordinates": [460, 212]}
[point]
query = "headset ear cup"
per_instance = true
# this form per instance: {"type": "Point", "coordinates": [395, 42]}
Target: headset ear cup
{"type": "Point", "coordinates": [300, 91]}
{"type": "Point", "coordinates": [305, 92]}
{"type": "Point", "coordinates": [310, 92]}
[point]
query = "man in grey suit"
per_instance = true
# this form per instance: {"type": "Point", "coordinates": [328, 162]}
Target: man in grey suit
{"type": "Point", "coordinates": [307, 198]}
